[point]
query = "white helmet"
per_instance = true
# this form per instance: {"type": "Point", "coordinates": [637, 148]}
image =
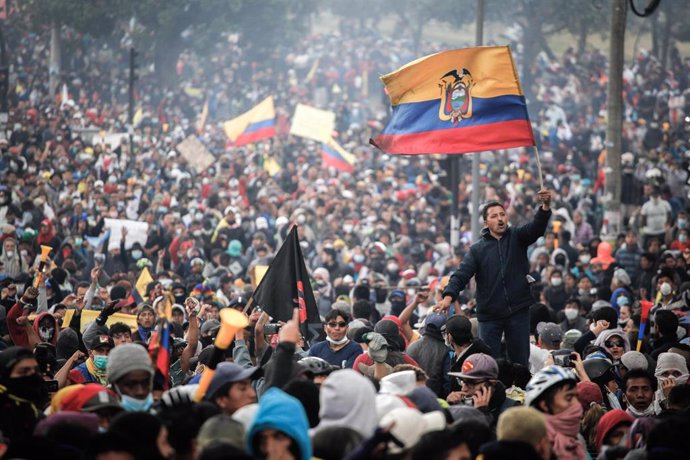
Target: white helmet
{"type": "Point", "coordinates": [545, 379]}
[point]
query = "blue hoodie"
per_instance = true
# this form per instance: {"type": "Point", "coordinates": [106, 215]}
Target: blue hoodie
{"type": "Point", "coordinates": [280, 411]}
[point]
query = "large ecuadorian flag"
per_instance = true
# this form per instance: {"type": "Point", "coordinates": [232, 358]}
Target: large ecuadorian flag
{"type": "Point", "coordinates": [458, 101]}
{"type": "Point", "coordinates": [333, 155]}
{"type": "Point", "coordinates": [256, 124]}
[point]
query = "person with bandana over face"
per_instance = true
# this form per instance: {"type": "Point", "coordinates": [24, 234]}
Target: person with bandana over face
{"type": "Point", "coordinates": [23, 395]}
{"type": "Point", "coordinates": [44, 329]}
{"type": "Point", "coordinates": [553, 392]}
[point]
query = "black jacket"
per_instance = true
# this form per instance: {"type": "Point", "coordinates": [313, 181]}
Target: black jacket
{"type": "Point", "coordinates": [500, 268]}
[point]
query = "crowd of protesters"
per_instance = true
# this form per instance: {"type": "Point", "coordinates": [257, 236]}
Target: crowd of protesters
{"type": "Point", "coordinates": [389, 377]}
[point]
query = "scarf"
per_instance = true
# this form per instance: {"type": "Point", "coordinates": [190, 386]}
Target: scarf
{"type": "Point", "coordinates": [563, 430]}
{"type": "Point", "coordinates": [144, 333]}
{"type": "Point", "coordinates": [99, 374]}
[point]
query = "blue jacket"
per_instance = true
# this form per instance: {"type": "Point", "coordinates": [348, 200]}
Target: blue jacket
{"type": "Point", "coordinates": [500, 268]}
{"type": "Point", "coordinates": [280, 411]}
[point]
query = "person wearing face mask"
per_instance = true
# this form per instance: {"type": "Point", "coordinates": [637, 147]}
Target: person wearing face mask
{"type": "Point", "coordinates": [44, 329]}
{"type": "Point", "coordinates": [555, 292]}
{"type": "Point", "coordinates": [671, 371]}
{"type": "Point", "coordinates": [573, 319]}
{"type": "Point", "coordinates": [337, 349]}
{"type": "Point", "coordinates": [130, 373]}
{"type": "Point", "coordinates": [667, 298]}
{"type": "Point", "coordinates": [553, 392]}
{"type": "Point", "coordinates": [93, 369]}
{"type": "Point", "coordinates": [620, 287]}
{"type": "Point", "coordinates": [639, 387]}
{"type": "Point", "coordinates": [23, 396]}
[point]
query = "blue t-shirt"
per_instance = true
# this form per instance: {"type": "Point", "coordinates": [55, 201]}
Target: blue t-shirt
{"type": "Point", "coordinates": [343, 358]}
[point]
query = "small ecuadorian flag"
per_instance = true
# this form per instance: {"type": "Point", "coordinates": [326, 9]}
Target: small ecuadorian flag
{"type": "Point", "coordinates": [458, 101]}
{"type": "Point", "coordinates": [256, 124]}
{"type": "Point", "coordinates": [332, 154]}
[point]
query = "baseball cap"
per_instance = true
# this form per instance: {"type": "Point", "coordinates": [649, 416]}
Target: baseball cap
{"type": "Point", "coordinates": [435, 321]}
{"type": "Point", "coordinates": [90, 398]}
{"type": "Point", "coordinates": [229, 373]}
{"type": "Point", "coordinates": [478, 366]}
{"type": "Point", "coordinates": [210, 325]}
{"type": "Point", "coordinates": [550, 333]}
{"type": "Point", "coordinates": [98, 341]}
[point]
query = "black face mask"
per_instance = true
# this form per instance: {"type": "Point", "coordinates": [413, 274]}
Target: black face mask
{"type": "Point", "coordinates": [179, 299]}
{"type": "Point", "coordinates": [31, 388]}
{"type": "Point", "coordinates": [397, 306]}
{"type": "Point", "coordinates": [206, 341]}
{"type": "Point", "coordinates": [381, 294]}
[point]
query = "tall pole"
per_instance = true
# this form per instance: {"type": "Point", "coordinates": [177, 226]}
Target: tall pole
{"type": "Point", "coordinates": [612, 214]}
{"type": "Point", "coordinates": [54, 65]}
{"type": "Point", "coordinates": [4, 81]}
{"type": "Point", "coordinates": [479, 39]}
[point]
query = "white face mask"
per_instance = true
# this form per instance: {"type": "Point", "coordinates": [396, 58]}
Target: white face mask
{"type": "Point", "coordinates": [571, 313]}
{"type": "Point", "coordinates": [337, 342]}
{"type": "Point", "coordinates": [556, 281]}
{"type": "Point", "coordinates": [665, 289]}
{"type": "Point", "coordinates": [584, 259]}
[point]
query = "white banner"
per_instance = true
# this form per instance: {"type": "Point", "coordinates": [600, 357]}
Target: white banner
{"type": "Point", "coordinates": [137, 232]}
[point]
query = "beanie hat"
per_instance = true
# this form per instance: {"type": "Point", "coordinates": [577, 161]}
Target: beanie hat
{"type": "Point", "coordinates": [588, 393]}
{"type": "Point", "coordinates": [634, 360]}
{"type": "Point", "coordinates": [127, 358]}
{"type": "Point", "coordinates": [609, 421]}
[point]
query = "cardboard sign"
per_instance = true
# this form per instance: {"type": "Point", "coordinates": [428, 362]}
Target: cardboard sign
{"type": "Point", "coordinates": [312, 123]}
{"type": "Point", "coordinates": [196, 154]}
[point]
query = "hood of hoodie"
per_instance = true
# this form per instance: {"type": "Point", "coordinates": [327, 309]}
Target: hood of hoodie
{"type": "Point", "coordinates": [37, 321]}
{"type": "Point", "coordinates": [280, 411]}
{"type": "Point", "coordinates": [348, 399]}
{"type": "Point", "coordinates": [607, 334]}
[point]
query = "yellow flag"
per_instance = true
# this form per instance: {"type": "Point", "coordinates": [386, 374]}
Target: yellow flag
{"type": "Point", "coordinates": [271, 166]}
{"type": "Point", "coordinates": [144, 279]}
{"type": "Point", "coordinates": [312, 71]}
{"type": "Point", "coordinates": [87, 316]}
{"type": "Point", "coordinates": [201, 122]}
{"type": "Point", "coordinates": [138, 116]}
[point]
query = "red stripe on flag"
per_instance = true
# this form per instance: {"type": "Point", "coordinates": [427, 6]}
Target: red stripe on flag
{"type": "Point", "coordinates": [501, 135]}
{"type": "Point", "coordinates": [255, 136]}
{"type": "Point", "coordinates": [336, 163]}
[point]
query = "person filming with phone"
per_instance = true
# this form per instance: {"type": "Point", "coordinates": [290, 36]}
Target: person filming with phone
{"type": "Point", "coordinates": [480, 387]}
{"type": "Point", "coordinates": [499, 264]}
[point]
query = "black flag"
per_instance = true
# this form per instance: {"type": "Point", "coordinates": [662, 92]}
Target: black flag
{"type": "Point", "coordinates": [286, 285]}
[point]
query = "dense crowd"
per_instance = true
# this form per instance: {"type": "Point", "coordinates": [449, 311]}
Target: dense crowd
{"type": "Point", "coordinates": [388, 377]}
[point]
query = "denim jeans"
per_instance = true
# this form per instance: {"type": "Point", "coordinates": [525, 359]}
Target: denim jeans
{"type": "Point", "coordinates": [516, 330]}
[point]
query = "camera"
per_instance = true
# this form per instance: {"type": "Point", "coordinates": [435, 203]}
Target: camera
{"type": "Point", "coordinates": [563, 358]}
{"type": "Point", "coordinates": [51, 386]}
{"type": "Point", "coordinates": [272, 328]}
